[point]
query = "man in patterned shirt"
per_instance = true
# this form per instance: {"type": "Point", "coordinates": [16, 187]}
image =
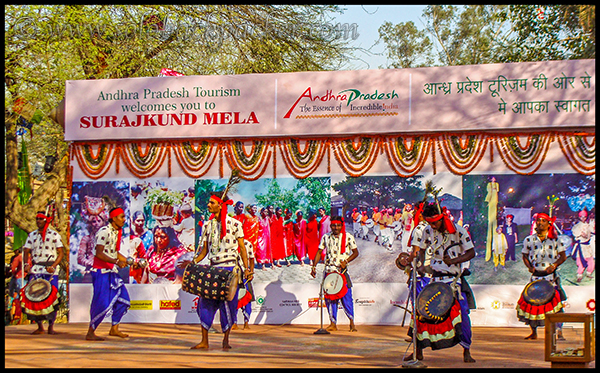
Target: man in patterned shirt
{"type": "Point", "coordinates": [46, 250]}
{"type": "Point", "coordinates": [447, 247]}
{"type": "Point", "coordinates": [221, 239]}
{"type": "Point", "coordinates": [340, 249]}
{"type": "Point", "coordinates": [110, 293]}
{"type": "Point", "coordinates": [542, 253]}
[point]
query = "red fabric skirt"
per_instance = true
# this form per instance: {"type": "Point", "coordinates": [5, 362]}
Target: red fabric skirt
{"type": "Point", "coordinates": [535, 315]}
{"type": "Point", "coordinates": [440, 335]}
{"type": "Point", "coordinates": [42, 308]}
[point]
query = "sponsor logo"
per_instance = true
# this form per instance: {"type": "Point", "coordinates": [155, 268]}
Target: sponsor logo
{"type": "Point", "coordinates": [591, 305]}
{"type": "Point", "coordinates": [290, 303]}
{"type": "Point", "coordinates": [140, 305]}
{"type": "Point", "coordinates": [170, 304]}
{"type": "Point", "coordinates": [314, 303]}
{"type": "Point", "coordinates": [364, 302]}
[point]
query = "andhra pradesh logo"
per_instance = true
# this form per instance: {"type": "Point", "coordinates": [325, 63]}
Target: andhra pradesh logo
{"type": "Point", "coordinates": [329, 105]}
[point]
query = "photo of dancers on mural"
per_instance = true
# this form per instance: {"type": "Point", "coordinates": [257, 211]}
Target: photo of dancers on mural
{"type": "Point", "coordinates": [285, 218]}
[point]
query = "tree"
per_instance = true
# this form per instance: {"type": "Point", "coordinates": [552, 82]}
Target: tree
{"type": "Point", "coordinates": [45, 45]}
{"type": "Point", "coordinates": [477, 34]}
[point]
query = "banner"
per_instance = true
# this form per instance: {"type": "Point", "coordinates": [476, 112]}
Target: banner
{"type": "Point", "coordinates": [528, 95]}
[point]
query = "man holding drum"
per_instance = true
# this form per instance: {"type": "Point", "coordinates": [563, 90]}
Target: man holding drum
{"type": "Point", "coordinates": [542, 253]}
{"type": "Point", "coordinates": [447, 246]}
{"type": "Point", "coordinates": [221, 238]}
{"type": "Point", "coordinates": [45, 247]}
{"type": "Point", "coordinates": [340, 249]}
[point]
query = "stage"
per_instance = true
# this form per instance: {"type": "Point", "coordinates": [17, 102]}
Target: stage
{"type": "Point", "coordinates": [262, 346]}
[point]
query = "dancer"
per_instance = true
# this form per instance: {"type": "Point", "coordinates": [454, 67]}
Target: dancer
{"type": "Point", "coordinates": [448, 246]}
{"type": "Point", "coordinates": [109, 292]}
{"type": "Point", "coordinates": [45, 248]}
{"type": "Point", "coordinates": [584, 249]}
{"type": "Point", "coordinates": [340, 249]}
{"type": "Point", "coordinates": [543, 253]}
{"type": "Point", "coordinates": [221, 239]}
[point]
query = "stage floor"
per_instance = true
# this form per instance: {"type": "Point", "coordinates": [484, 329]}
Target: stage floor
{"type": "Point", "coordinates": [262, 346]}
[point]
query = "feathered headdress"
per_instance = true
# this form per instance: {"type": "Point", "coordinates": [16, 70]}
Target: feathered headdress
{"type": "Point", "coordinates": [230, 187]}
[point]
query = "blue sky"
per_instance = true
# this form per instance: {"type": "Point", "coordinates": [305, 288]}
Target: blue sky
{"type": "Point", "coordinates": [368, 18]}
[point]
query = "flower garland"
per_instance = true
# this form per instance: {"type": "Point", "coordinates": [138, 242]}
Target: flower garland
{"type": "Point", "coordinates": [94, 166]}
{"type": "Point", "coordinates": [406, 155]}
{"type": "Point", "coordinates": [356, 158]}
{"type": "Point", "coordinates": [524, 160]}
{"type": "Point", "coordinates": [253, 165]}
{"type": "Point", "coordinates": [407, 160]}
{"type": "Point", "coordinates": [195, 159]}
{"type": "Point", "coordinates": [461, 158]}
{"type": "Point", "coordinates": [301, 164]}
{"type": "Point", "coordinates": [580, 154]}
{"type": "Point", "coordinates": [144, 161]}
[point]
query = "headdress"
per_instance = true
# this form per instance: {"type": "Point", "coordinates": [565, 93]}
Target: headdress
{"type": "Point", "coordinates": [343, 241]}
{"type": "Point", "coordinates": [45, 228]}
{"type": "Point", "coordinates": [234, 179]}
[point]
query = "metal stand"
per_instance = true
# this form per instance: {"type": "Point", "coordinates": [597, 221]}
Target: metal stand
{"type": "Point", "coordinates": [414, 363]}
{"type": "Point", "coordinates": [321, 301]}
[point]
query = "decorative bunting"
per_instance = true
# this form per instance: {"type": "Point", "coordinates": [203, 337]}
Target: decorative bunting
{"type": "Point", "coordinates": [406, 155]}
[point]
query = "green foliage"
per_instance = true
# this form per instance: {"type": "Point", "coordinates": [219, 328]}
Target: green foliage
{"type": "Point", "coordinates": [477, 34]}
{"type": "Point", "coordinates": [368, 191]}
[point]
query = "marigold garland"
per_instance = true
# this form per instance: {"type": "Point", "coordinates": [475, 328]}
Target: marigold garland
{"type": "Point", "coordinates": [524, 160]}
{"type": "Point", "coordinates": [253, 165]}
{"type": "Point", "coordinates": [461, 158]}
{"type": "Point", "coordinates": [580, 154]}
{"type": "Point", "coordinates": [354, 158]}
{"type": "Point", "coordinates": [301, 164]}
{"type": "Point", "coordinates": [406, 155]}
{"type": "Point", "coordinates": [406, 160]}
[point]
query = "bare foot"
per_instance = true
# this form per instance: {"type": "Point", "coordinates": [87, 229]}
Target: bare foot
{"type": "Point", "coordinates": [200, 346]}
{"type": "Point", "coordinates": [52, 331]}
{"type": "Point", "coordinates": [246, 326]}
{"type": "Point", "coordinates": [38, 331]}
{"type": "Point", "coordinates": [226, 346]}
{"type": "Point", "coordinates": [352, 328]}
{"type": "Point", "coordinates": [118, 334]}
{"type": "Point", "coordinates": [234, 327]}
{"type": "Point", "coordinates": [467, 356]}
{"type": "Point", "coordinates": [332, 328]}
{"type": "Point", "coordinates": [93, 337]}
{"type": "Point", "coordinates": [532, 336]}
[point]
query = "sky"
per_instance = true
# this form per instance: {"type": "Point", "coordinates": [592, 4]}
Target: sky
{"type": "Point", "coordinates": [368, 18]}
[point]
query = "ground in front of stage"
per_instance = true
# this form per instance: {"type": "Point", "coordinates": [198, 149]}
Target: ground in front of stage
{"type": "Point", "coordinates": [262, 346]}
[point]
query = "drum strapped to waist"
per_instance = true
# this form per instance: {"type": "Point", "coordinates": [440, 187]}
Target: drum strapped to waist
{"type": "Point", "coordinates": [210, 282]}
{"type": "Point", "coordinates": [335, 286]}
{"type": "Point", "coordinates": [38, 290]}
{"type": "Point", "coordinates": [434, 302]}
{"type": "Point", "coordinates": [369, 223]}
{"type": "Point", "coordinates": [538, 292]}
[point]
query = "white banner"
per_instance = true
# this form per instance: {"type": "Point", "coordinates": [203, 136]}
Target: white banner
{"type": "Point", "coordinates": [280, 303]}
{"type": "Point", "coordinates": [523, 95]}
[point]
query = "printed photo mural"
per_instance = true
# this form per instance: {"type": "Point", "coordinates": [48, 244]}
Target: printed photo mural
{"type": "Point", "coordinates": [285, 218]}
{"type": "Point", "coordinates": [500, 212]}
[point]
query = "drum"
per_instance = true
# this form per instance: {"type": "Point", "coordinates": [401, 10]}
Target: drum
{"type": "Point", "coordinates": [209, 282]}
{"type": "Point", "coordinates": [334, 286]}
{"type": "Point", "coordinates": [403, 257]}
{"type": "Point", "coordinates": [397, 226]}
{"type": "Point", "coordinates": [434, 302]}
{"type": "Point", "coordinates": [38, 290]}
{"type": "Point", "coordinates": [538, 292]}
{"type": "Point", "coordinates": [370, 223]}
